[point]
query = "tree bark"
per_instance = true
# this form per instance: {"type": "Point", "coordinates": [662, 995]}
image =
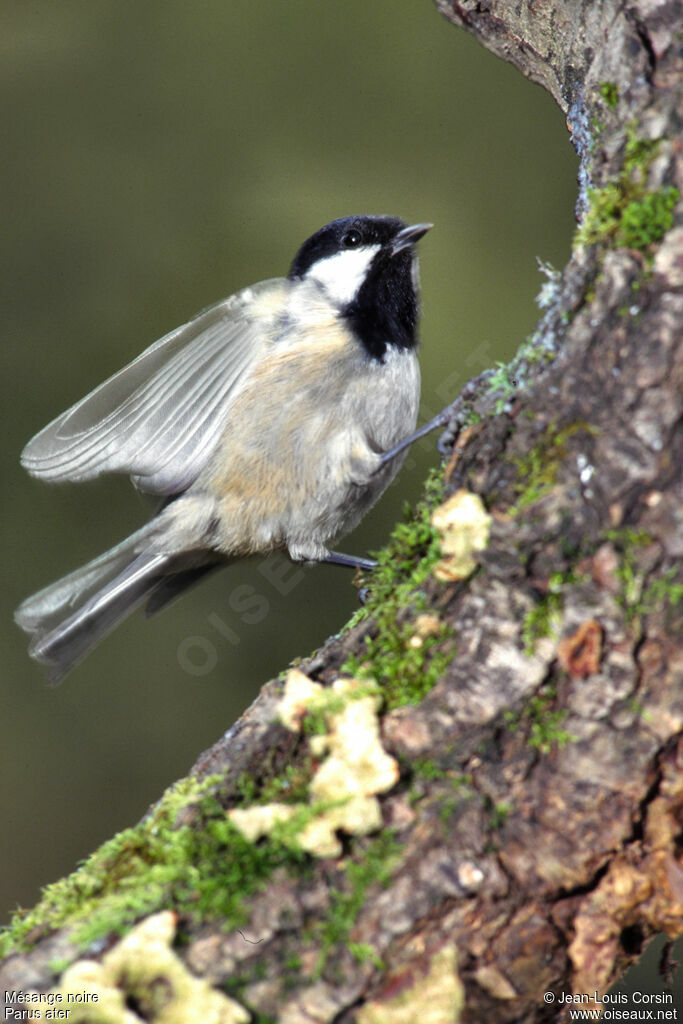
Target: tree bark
{"type": "Point", "coordinates": [530, 840]}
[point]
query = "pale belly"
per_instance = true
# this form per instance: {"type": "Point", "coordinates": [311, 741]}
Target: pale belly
{"type": "Point", "coordinates": [310, 468]}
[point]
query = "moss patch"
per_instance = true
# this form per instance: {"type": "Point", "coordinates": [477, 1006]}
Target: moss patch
{"type": "Point", "coordinates": [204, 869]}
{"type": "Point", "coordinates": [610, 93]}
{"type": "Point", "coordinates": [405, 663]}
{"type": "Point", "coordinates": [665, 590]}
{"type": "Point", "coordinates": [625, 213]}
{"type": "Point", "coordinates": [542, 721]}
{"type": "Point", "coordinates": [635, 598]}
{"type": "Point", "coordinates": [373, 865]}
{"type": "Point", "coordinates": [503, 383]}
{"type": "Point", "coordinates": [544, 617]}
{"type": "Point", "coordinates": [537, 471]}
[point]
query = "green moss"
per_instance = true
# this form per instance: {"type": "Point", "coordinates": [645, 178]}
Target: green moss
{"type": "Point", "coordinates": [502, 382]}
{"type": "Point", "coordinates": [610, 93]}
{"type": "Point", "coordinates": [662, 591]}
{"type": "Point", "coordinates": [542, 722]}
{"type": "Point", "coordinates": [638, 152]}
{"type": "Point", "coordinates": [540, 347]}
{"type": "Point", "coordinates": [547, 731]}
{"type": "Point", "coordinates": [235, 988]}
{"type": "Point", "coordinates": [646, 220]}
{"type": "Point", "coordinates": [58, 965]}
{"type": "Point", "coordinates": [537, 471]}
{"type": "Point", "coordinates": [373, 865]}
{"type": "Point", "coordinates": [203, 868]}
{"type": "Point", "coordinates": [364, 952]}
{"type": "Point", "coordinates": [626, 542]}
{"type": "Point", "coordinates": [499, 813]}
{"type": "Point", "coordinates": [625, 213]}
{"type": "Point", "coordinates": [253, 971]}
{"type": "Point", "coordinates": [405, 672]}
{"type": "Point", "coordinates": [544, 617]}
{"type": "Point", "coordinates": [290, 786]}
{"type": "Point", "coordinates": [450, 784]}
{"type": "Point", "coordinates": [425, 768]}
{"type": "Point", "coordinates": [635, 598]}
{"type": "Point", "coordinates": [541, 621]}
{"type": "Point", "coordinates": [461, 792]}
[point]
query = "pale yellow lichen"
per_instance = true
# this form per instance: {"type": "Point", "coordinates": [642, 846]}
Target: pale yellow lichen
{"type": "Point", "coordinates": [437, 998]}
{"type": "Point", "coordinates": [425, 625]}
{"type": "Point", "coordinates": [358, 816]}
{"type": "Point", "coordinates": [297, 695]}
{"type": "Point", "coordinates": [355, 766]}
{"type": "Point", "coordinates": [255, 822]}
{"type": "Point", "coordinates": [463, 525]}
{"type": "Point", "coordinates": [142, 973]}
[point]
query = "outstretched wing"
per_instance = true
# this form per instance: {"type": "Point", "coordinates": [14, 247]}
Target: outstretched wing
{"type": "Point", "coordinates": [159, 418]}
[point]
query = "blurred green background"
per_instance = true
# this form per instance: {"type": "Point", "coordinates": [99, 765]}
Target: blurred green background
{"type": "Point", "coordinates": [157, 157]}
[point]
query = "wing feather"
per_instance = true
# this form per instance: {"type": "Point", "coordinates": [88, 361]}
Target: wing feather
{"type": "Point", "coordinates": [160, 417]}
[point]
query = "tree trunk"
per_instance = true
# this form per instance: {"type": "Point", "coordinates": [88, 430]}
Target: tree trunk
{"type": "Point", "coordinates": [515, 835]}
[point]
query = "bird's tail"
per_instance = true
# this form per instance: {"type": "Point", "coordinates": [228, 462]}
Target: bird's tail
{"type": "Point", "coordinates": [71, 616]}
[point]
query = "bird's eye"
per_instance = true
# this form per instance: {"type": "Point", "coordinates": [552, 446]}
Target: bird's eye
{"type": "Point", "coordinates": [351, 239]}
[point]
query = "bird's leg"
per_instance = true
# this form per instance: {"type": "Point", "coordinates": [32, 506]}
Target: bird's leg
{"type": "Point", "coordinates": [454, 417]}
{"type": "Point", "coordinates": [437, 421]}
{"type": "Point", "coordinates": [350, 561]}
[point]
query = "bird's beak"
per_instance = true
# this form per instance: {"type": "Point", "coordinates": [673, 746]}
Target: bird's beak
{"type": "Point", "coordinates": [407, 236]}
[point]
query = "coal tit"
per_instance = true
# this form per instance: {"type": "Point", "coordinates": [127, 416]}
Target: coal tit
{"type": "Point", "coordinates": [272, 421]}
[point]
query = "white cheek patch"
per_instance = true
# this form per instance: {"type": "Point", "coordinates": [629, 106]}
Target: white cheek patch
{"type": "Point", "coordinates": [415, 275]}
{"type": "Point", "coordinates": [342, 274]}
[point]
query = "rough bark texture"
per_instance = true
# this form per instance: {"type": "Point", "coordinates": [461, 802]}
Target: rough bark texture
{"type": "Point", "coordinates": [536, 845]}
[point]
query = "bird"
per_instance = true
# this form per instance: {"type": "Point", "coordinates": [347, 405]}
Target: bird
{"type": "Point", "coordinates": [271, 421]}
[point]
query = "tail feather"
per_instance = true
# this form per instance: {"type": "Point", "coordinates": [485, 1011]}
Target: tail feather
{"type": "Point", "coordinates": [177, 580]}
{"type": "Point", "coordinates": [53, 602]}
{"type": "Point", "coordinates": [71, 616]}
